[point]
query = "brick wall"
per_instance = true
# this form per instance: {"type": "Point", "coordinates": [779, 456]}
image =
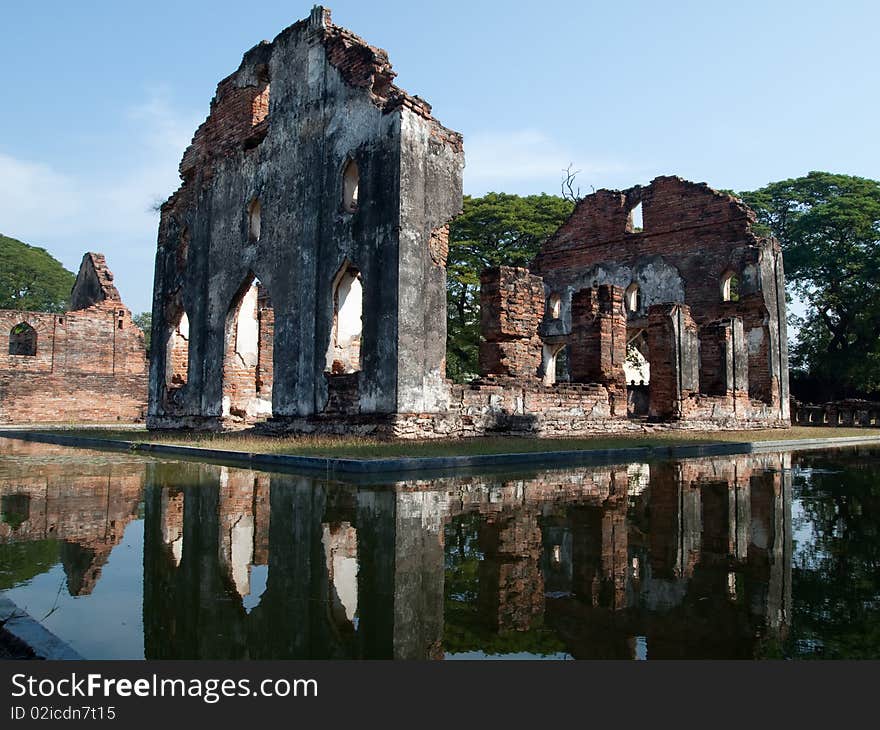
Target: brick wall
{"type": "Point", "coordinates": [673, 343]}
{"type": "Point", "coordinates": [90, 363]}
{"type": "Point", "coordinates": [723, 358]}
{"type": "Point", "coordinates": [692, 238]}
{"type": "Point", "coordinates": [597, 346]}
{"type": "Point", "coordinates": [265, 361]}
{"type": "Point", "coordinates": [511, 308]}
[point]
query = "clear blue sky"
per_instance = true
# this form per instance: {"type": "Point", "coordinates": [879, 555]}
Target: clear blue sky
{"type": "Point", "coordinates": [100, 98]}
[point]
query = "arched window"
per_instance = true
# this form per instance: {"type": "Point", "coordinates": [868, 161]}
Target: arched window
{"type": "Point", "coordinates": [554, 306]}
{"type": "Point", "coordinates": [632, 298]}
{"type": "Point", "coordinates": [177, 353]}
{"type": "Point", "coordinates": [554, 362]}
{"type": "Point", "coordinates": [246, 333]}
{"type": "Point", "coordinates": [23, 340]}
{"type": "Point", "coordinates": [247, 379]}
{"type": "Point", "coordinates": [350, 184]}
{"type": "Point", "coordinates": [254, 221]}
{"type": "Point", "coordinates": [730, 287]}
{"type": "Point", "coordinates": [344, 354]}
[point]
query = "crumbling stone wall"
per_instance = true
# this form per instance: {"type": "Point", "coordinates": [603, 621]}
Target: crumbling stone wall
{"type": "Point", "coordinates": [310, 163]}
{"type": "Point", "coordinates": [693, 240]}
{"type": "Point", "coordinates": [696, 289]}
{"type": "Point", "coordinates": [597, 347]}
{"type": "Point", "coordinates": [317, 179]}
{"type": "Point", "coordinates": [674, 345]}
{"type": "Point", "coordinates": [723, 358]}
{"type": "Point", "coordinates": [511, 308]}
{"type": "Point", "coordinates": [87, 364]}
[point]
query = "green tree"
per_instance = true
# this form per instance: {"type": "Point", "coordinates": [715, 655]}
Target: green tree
{"type": "Point", "coordinates": [144, 320]}
{"type": "Point", "coordinates": [493, 230]}
{"type": "Point", "coordinates": [829, 228]}
{"type": "Point", "coordinates": [31, 279]}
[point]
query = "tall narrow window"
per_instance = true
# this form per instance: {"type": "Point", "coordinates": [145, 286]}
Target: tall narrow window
{"type": "Point", "coordinates": [730, 287]}
{"type": "Point", "coordinates": [632, 298]}
{"type": "Point", "coordinates": [244, 397]}
{"type": "Point", "coordinates": [254, 221]}
{"type": "Point", "coordinates": [350, 185]}
{"type": "Point", "coordinates": [23, 340]}
{"type": "Point", "coordinates": [635, 223]}
{"type": "Point", "coordinates": [344, 354]}
{"type": "Point", "coordinates": [554, 306]}
{"type": "Point", "coordinates": [177, 353]}
{"type": "Point", "coordinates": [555, 367]}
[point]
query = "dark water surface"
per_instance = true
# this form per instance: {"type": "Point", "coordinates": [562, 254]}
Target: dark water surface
{"type": "Point", "coordinates": [760, 556]}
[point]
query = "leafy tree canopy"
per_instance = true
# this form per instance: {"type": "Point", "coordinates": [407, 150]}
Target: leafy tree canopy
{"type": "Point", "coordinates": [829, 228]}
{"type": "Point", "coordinates": [493, 230]}
{"type": "Point", "coordinates": [144, 320]}
{"type": "Point", "coordinates": [31, 279]}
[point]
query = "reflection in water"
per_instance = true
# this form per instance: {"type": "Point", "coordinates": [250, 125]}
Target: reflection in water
{"type": "Point", "coordinates": [85, 509]}
{"type": "Point", "coordinates": [679, 559]}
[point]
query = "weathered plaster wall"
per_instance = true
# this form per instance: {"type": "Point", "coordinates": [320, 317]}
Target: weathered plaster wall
{"type": "Point", "coordinates": [283, 129]}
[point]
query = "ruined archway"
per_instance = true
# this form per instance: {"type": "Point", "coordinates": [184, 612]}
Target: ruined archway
{"type": "Point", "coordinates": [247, 362]}
{"type": "Point", "coordinates": [344, 352]}
{"type": "Point", "coordinates": [729, 287]}
{"type": "Point", "coordinates": [177, 352]}
{"type": "Point", "coordinates": [23, 340]}
{"type": "Point", "coordinates": [554, 363]}
{"type": "Point", "coordinates": [637, 369]}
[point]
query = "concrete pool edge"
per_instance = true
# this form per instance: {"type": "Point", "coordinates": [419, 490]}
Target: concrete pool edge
{"type": "Point", "coordinates": [332, 466]}
{"type": "Point", "coordinates": [32, 634]}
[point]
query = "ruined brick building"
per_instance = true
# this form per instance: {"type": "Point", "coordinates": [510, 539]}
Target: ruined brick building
{"type": "Point", "coordinates": [88, 364]}
{"type": "Point", "coordinates": [300, 277]}
{"type": "Point", "coordinates": [694, 299]}
{"type": "Point", "coordinates": [301, 265]}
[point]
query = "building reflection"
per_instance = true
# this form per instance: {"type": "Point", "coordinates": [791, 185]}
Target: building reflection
{"type": "Point", "coordinates": [678, 559]}
{"type": "Point", "coordinates": [682, 559]}
{"type": "Point", "coordinates": [85, 507]}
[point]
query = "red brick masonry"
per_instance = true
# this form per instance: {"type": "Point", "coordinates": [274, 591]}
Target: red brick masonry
{"type": "Point", "coordinates": [89, 363]}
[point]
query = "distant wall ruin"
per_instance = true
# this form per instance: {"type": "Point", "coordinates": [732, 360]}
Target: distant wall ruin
{"type": "Point", "coordinates": [703, 297]}
{"type": "Point", "coordinates": [84, 365]}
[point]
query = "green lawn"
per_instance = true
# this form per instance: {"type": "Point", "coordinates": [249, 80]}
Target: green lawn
{"type": "Point", "coordinates": [369, 448]}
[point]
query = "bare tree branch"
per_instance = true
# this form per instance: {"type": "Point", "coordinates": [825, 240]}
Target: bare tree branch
{"type": "Point", "coordinates": [569, 192]}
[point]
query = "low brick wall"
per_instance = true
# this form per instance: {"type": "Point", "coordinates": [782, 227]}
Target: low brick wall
{"type": "Point", "coordinates": [848, 413]}
{"type": "Point", "coordinates": [518, 408]}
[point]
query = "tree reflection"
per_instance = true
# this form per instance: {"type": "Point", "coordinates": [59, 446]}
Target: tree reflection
{"type": "Point", "coordinates": [836, 582]}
